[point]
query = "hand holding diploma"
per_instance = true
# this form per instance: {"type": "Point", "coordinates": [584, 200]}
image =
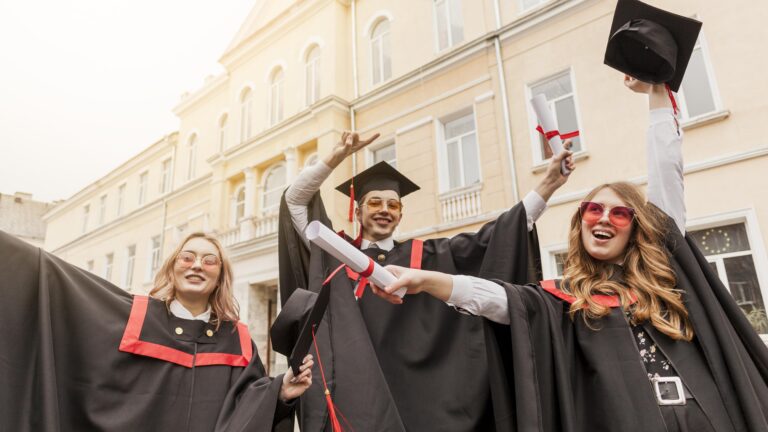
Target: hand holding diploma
{"type": "Point", "coordinates": [549, 128]}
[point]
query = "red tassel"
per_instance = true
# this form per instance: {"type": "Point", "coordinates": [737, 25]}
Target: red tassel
{"type": "Point", "coordinates": [351, 201]}
{"type": "Point", "coordinates": [671, 98]}
{"type": "Point", "coordinates": [335, 425]}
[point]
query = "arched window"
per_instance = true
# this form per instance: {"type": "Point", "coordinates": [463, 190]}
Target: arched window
{"type": "Point", "coordinates": [245, 114]}
{"type": "Point", "coordinates": [276, 90]}
{"type": "Point", "coordinates": [313, 75]}
{"type": "Point", "coordinates": [275, 180]}
{"type": "Point", "coordinates": [381, 59]}
{"type": "Point", "coordinates": [239, 204]}
{"type": "Point", "coordinates": [223, 132]}
{"type": "Point", "coordinates": [192, 153]}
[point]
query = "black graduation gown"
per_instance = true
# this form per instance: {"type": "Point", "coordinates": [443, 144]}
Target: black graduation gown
{"type": "Point", "coordinates": [556, 374]}
{"type": "Point", "coordinates": [73, 360]}
{"type": "Point", "coordinates": [423, 366]}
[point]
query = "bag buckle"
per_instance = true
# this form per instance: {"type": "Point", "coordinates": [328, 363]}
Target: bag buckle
{"type": "Point", "coordinates": [669, 390]}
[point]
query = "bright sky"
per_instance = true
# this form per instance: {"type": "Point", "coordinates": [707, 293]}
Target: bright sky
{"type": "Point", "coordinates": [87, 84]}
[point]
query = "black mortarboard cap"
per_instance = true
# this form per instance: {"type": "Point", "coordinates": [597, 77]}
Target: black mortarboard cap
{"type": "Point", "coordinates": [381, 176]}
{"type": "Point", "coordinates": [291, 333]}
{"type": "Point", "coordinates": [651, 44]}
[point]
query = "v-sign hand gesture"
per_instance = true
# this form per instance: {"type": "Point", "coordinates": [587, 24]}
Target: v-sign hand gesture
{"type": "Point", "coordinates": [350, 142]}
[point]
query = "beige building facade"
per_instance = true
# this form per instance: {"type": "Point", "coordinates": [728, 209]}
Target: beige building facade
{"type": "Point", "coordinates": [446, 83]}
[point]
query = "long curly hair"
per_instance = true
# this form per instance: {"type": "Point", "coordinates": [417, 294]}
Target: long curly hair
{"type": "Point", "coordinates": [222, 301]}
{"type": "Point", "coordinates": [647, 271]}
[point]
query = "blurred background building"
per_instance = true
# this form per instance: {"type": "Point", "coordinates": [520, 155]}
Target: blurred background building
{"type": "Point", "coordinates": [446, 83]}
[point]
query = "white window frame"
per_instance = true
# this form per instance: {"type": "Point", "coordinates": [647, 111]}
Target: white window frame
{"type": "Point", "coordinates": [102, 209]}
{"type": "Point", "coordinates": [538, 160]}
{"type": "Point", "coordinates": [130, 266]}
{"type": "Point", "coordinates": [449, 13]}
{"type": "Point", "coordinates": [379, 39]}
{"type": "Point", "coordinates": [312, 76]}
{"type": "Point", "coordinates": [522, 8]}
{"type": "Point", "coordinates": [276, 95]}
{"type": "Point", "coordinates": [235, 219]}
{"type": "Point", "coordinates": [143, 183]}
{"type": "Point", "coordinates": [373, 148]}
{"type": "Point", "coordinates": [121, 198]}
{"type": "Point", "coordinates": [109, 262]}
{"type": "Point", "coordinates": [749, 218]}
{"type": "Point", "coordinates": [165, 175]}
{"type": "Point", "coordinates": [442, 154]}
{"type": "Point", "coordinates": [548, 262]}
{"type": "Point", "coordinates": [264, 208]}
{"type": "Point", "coordinates": [86, 214]}
{"type": "Point", "coordinates": [246, 114]}
{"type": "Point", "coordinates": [701, 44]}
{"type": "Point", "coordinates": [192, 156]}
{"type": "Point", "coordinates": [153, 258]}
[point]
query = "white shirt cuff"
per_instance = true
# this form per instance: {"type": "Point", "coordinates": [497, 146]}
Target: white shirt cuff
{"type": "Point", "coordinates": [534, 207]}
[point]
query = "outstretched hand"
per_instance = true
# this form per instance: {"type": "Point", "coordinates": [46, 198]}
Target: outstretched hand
{"type": "Point", "coordinates": [553, 177]}
{"type": "Point", "coordinates": [349, 143]}
{"type": "Point", "coordinates": [658, 97]}
{"type": "Point", "coordinates": [295, 386]}
{"type": "Point", "coordinates": [436, 284]}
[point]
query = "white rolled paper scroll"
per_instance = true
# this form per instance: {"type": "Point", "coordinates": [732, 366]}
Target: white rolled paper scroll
{"type": "Point", "coordinates": [547, 122]}
{"type": "Point", "coordinates": [340, 249]}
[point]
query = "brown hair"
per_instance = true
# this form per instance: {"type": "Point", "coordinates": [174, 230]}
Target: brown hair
{"type": "Point", "coordinates": [646, 270]}
{"type": "Point", "coordinates": [222, 301]}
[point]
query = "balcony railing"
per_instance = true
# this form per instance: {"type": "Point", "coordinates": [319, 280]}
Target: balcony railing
{"type": "Point", "coordinates": [461, 203]}
{"type": "Point", "coordinates": [250, 229]}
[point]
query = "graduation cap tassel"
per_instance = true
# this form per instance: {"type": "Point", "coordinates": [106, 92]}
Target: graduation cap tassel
{"type": "Point", "coordinates": [335, 425]}
{"type": "Point", "coordinates": [351, 201]}
{"type": "Point", "coordinates": [671, 98]}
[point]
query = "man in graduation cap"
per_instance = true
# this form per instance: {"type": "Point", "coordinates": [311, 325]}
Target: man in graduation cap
{"type": "Point", "coordinates": [420, 366]}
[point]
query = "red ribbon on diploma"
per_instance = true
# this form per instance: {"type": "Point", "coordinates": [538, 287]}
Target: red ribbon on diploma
{"type": "Point", "coordinates": [554, 133]}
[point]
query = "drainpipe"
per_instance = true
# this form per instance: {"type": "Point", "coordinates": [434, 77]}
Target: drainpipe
{"type": "Point", "coordinates": [352, 122]}
{"type": "Point", "coordinates": [505, 105]}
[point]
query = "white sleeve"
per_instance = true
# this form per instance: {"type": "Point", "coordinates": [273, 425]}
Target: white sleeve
{"type": "Point", "coordinates": [480, 297]}
{"type": "Point", "coordinates": [298, 195]}
{"type": "Point", "coordinates": [534, 207]}
{"type": "Point", "coordinates": [665, 165]}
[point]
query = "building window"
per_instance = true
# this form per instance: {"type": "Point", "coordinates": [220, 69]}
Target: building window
{"type": "Point", "coordinates": [165, 176]}
{"type": "Point", "coordinates": [239, 204]}
{"type": "Point", "coordinates": [386, 153]}
{"type": "Point", "coordinates": [274, 184]}
{"type": "Point", "coordinates": [276, 91]}
{"type": "Point", "coordinates": [559, 93]}
{"type": "Point", "coordinates": [728, 250]}
{"type": "Point", "coordinates": [192, 153]}
{"type": "Point", "coordinates": [460, 148]}
{"type": "Point", "coordinates": [245, 114]}
{"type": "Point", "coordinates": [154, 257]}
{"type": "Point", "coordinates": [528, 4]}
{"type": "Point", "coordinates": [143, 180]}
{"type": "Point", "coordinates": [450, 29]}
{"type": "Point", "coordinates": [313, 75]}
{"type": "Point", "coordinates": [86, 212]}
{"type": "Point", "coordinates": [381, 58]}
{"type": "Point", "coordinates": [108, 261]}
{"type": "Point", "coordinates": [102, 209]}
{"type": "Point", "coordinates": [223, 132]}
{"type": "Point", "coordinates": [130, 263]}
{"type": "Point", "coordinates": [120, 199]}
{"type": "Point", "coordinates": [697, 92]}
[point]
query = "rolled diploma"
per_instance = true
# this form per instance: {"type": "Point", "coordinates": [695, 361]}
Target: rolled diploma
{"type": "Point", "coordinates": [340, 249]}
{"type": "Point", "coordinates": [547, 122]}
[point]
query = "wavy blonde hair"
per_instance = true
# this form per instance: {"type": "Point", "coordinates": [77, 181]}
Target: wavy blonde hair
{"type": "Point", "coordinates": [222, 301]}
{"type": "Point", "coordinates": [646, 270]}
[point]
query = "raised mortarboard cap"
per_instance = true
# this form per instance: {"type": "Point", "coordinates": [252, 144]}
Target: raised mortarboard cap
{"type": "Point", "coordinates": [381, 176]}
{"type": "Point", "coordinates": [291, 333]}
{"type": "Point", "coordinates": [651, 44]}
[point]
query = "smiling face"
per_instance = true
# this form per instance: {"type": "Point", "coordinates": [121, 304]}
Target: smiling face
{"type": "Point", "coordinates": [603, 240]}
{"type": "Point", "coordinates": [381, 223]}
{"type": "Point", "coordinates": [196, 278]}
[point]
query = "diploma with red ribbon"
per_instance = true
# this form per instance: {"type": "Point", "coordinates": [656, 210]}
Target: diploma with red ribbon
{"type": "Point", "coordinates": [340, 249]}
{"type": "Point", "coordinates": [548, 128]}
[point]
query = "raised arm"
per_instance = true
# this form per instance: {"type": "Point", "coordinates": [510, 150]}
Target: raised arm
{"type": "Point", "coordinates": [664, 152]}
